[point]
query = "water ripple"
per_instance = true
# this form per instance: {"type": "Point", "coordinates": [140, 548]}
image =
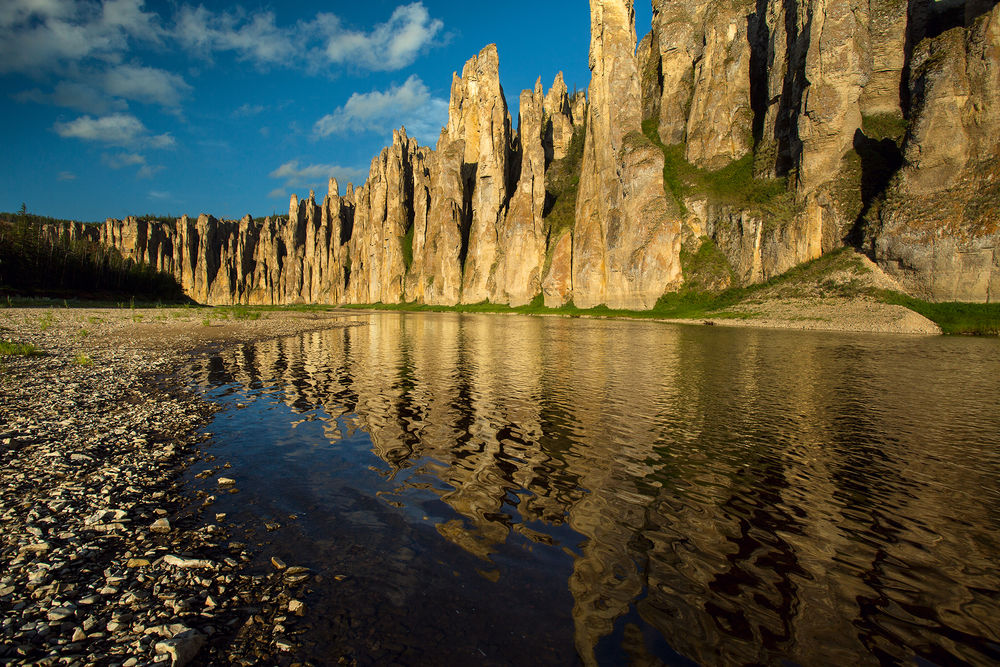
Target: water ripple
{"type": "Point", "coordinates": [649, 491]}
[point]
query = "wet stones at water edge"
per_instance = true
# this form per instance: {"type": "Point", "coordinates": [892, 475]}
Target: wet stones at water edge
{"type": "Point", "coordinates": [100, 561]}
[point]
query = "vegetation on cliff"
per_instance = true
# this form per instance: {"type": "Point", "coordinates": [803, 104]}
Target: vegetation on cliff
{"type": "Point", "coordinates": [733, 185]}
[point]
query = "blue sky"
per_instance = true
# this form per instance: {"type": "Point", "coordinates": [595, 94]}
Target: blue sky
{"type": "Point", "coordinates": [111, 108]}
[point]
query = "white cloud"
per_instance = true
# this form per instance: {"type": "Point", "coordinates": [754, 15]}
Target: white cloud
{"type": "Point", "coordinates": [116, 129]}
{"type": "Point", "coordinates": [315, 176]}
{"type": "Point", "coordinates": [257, 37]}
{"type": "Point", "coordinates": [74, 95]}
{"type": "Point", "coordinates": [67, 176]}
{"type": "Point", "coordinates": [122, 160]}
{"type": "Point", "coordinates": [278, 193]}
{"type": "Point", "coordinates": [148, 171]}
{"type": "Point", "coordinates": [254, 37]}
{"type": "Point", "coordinates": [389, 46]}
{"type": "Point", "coordinates": [248, 110]}
{"type": "Point", "coordinates": [145, 84]}
{"type": "Point", "coordinates": [41, 36]}
{"type": "Point", "coordinates": [156, 194]}
{"type": "Point", "coordinates": [410, 105]}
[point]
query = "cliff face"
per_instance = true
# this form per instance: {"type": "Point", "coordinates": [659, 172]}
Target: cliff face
{"type": "Point", "coordinates": [779, 130]}
{"type": "Point", "coordinates": [938, 230]}
{"type": "Point", "coordinates": [626, 243]}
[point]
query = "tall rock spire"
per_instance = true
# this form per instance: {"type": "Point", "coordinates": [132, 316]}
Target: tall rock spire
{"type": "Point", "coordinates": [478, 115]}
{"type": "Point", "coordinates": [626, 245]}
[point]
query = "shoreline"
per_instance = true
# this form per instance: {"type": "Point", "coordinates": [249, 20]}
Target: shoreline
{"type": "Point", "coordinates": [832, 315]}
{"type": "Point", "coordinates": [106, 556]}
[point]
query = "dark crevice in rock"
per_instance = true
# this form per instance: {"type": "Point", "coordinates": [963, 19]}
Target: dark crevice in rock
{"type": "Point", "coordinates": [469, 172]}
{"type": "Point", "coordinates": [880, 160]}
{"type": "Point", "coordinates": [758, 36]}
{"type": "Point", "coordinates": [787, 123]}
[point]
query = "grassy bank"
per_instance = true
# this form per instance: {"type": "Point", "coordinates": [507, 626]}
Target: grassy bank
{"type": "Point", "coordinates": [835, 275]}
{"type": "Point", "coordinates": [976, 319]}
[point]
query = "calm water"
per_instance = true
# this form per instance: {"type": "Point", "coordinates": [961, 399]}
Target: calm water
{"type": "Point", "coordinates": [500, 490]}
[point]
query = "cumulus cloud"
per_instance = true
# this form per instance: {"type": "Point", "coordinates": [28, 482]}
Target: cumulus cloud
{"type": "Point", "coordinates": [256, 37]}
{"type": "Point", "coordinates": [389, 46]}
{"type": "Point", "coordinates": [84, 52]}
{"type": "Point", "coordinates": [313, 176]}
{"type": "Point", "coordinates": [147, 171]}
{"type": "Point", "coordinates": [410, 104]}
{"type": "Point", "coordinates": [116, 130]}
{"type": "Point", "coordinates": [123, 160]}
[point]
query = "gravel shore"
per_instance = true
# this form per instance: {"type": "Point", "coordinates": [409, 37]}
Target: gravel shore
{"type": "Point", "coordinates": [104, 557]}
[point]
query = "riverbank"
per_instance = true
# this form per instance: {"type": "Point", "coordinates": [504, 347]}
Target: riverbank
{"type": "Point", "coordinates": [104, 558]}
{"type": "Point", "coordinates": [843, 291]}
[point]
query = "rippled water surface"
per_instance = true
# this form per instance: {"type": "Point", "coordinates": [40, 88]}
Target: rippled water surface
{"type": "Point", "coordinates": [498, 490]}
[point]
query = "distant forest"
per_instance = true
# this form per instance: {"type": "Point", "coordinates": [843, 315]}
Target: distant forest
{"type": "Point", "coordinates": [37, 258]}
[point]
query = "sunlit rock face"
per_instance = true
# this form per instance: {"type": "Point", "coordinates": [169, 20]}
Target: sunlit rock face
{"type": "Point", "coordinates": [778, 130]}
{"type": "Point", "coordinates": [939, 229]}
{"type": "Point", "coordinates": [627, 237]}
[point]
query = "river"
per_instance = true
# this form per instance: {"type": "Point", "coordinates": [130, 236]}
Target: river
{"type": "Point", "coordinates": [485, 489]}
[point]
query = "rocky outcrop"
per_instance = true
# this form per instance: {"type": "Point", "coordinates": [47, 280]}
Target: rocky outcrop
{"type": "Point", "coordinates": [478, 115]}
{"type": "Point", "coordinates": [938, 231]}
{"type": "Point", "coordinates": [781, 130]}
{"type": "Point", "coordinates": [522, 235]}
{"type": "Point", "coordinates": [436, 274]}
{"type": "Point", "coordinates": [626, 242]}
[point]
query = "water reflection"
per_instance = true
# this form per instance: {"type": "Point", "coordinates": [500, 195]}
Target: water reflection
{"type": "Point", "coordinates": [731, 496]}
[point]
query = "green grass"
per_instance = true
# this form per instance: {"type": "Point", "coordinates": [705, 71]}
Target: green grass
{"type": "Point", "coordinates": [9, 348]}
{"type": "Point", "coordinates": [45, 321]}
{"type": "Point", "coordinates": [707, 268]}
{"type": "Point", "coordinates": [733, 185]}
{"type": "Point", "coordinates": [83, 360]}
{"type": "Point", "coordinates": [562, 185]}
{"type": "Point", "coordinates": [970, 319]}
{"type": "Point", "coordinates": [406, 243]}
{"type": "Point", "coordinates": [236, 312]}
{"type": "Point", "coordinates": [884, 126]}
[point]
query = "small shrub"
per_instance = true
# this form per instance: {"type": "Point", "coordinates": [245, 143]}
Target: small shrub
{"type": "Point", "coordinates": [45, 322]}
{"type": "Point", "coordinates": [406, 243]}
{"type": "Point", "coordinates": [9, 348]}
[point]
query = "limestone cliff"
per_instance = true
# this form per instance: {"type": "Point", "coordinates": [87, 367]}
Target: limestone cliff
{"type": "Point", "coordinates": [938, 230]}
{"type": "Point", "coordinates": [626, 242]}
{"type": "Point", "coordinates": [779, 130]}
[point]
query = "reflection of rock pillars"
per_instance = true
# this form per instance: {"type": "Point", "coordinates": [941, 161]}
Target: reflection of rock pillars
{"type": "Point", "coordinates": [721, 487]}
